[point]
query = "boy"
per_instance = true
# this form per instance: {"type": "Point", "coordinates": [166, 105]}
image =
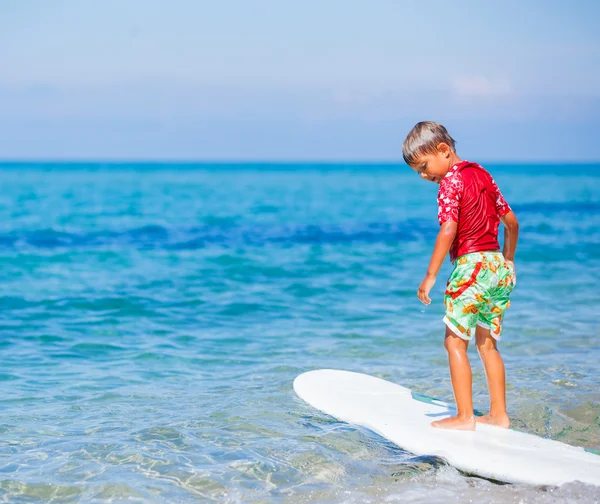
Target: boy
{"type": "Point", "coordinates": [470, 208]}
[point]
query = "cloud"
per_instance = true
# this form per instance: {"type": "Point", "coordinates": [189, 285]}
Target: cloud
{"type": "Point", "coordinates": [480, 86]}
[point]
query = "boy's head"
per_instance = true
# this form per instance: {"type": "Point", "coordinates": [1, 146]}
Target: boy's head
{"type": "Point", "coordinates": [429, 150]}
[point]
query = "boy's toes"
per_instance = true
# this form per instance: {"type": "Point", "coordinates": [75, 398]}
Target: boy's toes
{"type": "Point", "coordinates": [499, 421]}
{"type": "Point", "coordinates": [457, 423]}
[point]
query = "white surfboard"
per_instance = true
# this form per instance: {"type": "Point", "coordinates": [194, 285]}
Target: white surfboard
{"type": "Point", "coordinates": [405, 417]}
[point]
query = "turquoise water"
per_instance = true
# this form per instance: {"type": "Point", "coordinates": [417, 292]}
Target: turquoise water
{"type": "Point", "coordinates": [153, 318]}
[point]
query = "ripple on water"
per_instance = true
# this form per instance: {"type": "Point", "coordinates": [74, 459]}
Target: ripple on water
{"type": "Point", "coordinates": [153, 320]}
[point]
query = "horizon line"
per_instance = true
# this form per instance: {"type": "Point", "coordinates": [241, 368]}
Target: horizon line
{"type": "Point", "coordinates": [207, 161]}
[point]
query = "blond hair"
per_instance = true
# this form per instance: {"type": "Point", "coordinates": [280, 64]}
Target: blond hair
{"type": "Point", "coordinates": [424, 138]}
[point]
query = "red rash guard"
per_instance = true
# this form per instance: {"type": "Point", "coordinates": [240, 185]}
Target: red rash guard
{"type": "Point", "coordinates": [469, 196]}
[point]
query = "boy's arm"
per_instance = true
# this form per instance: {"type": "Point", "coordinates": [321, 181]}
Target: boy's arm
{"type": "Point", "coordinates": [442, 245]}
{"type": "Point", "coordinates": [511, 235]}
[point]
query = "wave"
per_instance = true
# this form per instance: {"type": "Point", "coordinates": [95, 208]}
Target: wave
{"type": "Point", "coordinates": [226, 232]}
{"type": "Point", "coordinates": [580, 208]}
{"type": "Point", "coordinates": [155, 236]}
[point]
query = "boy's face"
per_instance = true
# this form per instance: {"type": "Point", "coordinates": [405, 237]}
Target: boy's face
{"type": "Point", "coordinates": [433, 167]}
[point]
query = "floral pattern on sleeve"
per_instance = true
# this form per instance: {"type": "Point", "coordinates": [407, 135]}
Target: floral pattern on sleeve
{"type": "Point", "coordinates": [502, 206]}
{"type": "Point", "coordinates": [449, 195]}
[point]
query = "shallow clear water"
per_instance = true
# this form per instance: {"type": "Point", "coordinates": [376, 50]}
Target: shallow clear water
{"type": "Point", "coordinates": [153, 318]}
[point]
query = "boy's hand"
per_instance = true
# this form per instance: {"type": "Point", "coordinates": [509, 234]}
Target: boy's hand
{"type": "Point", "coordinates": [512, 265]}
{"type": "Point", "coordinates": [426, 286]}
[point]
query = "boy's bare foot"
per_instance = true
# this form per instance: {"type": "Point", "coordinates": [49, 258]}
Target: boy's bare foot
{"type": "Point", "coordinates": [498, 421]}
{"type": "Point", "coordinates": [455, 422]}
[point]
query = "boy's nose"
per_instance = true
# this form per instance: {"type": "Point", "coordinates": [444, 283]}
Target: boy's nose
{"type": "Point", "coordinates": [424, 175]}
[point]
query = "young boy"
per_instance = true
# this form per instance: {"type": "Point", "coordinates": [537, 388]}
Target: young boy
{"type": "Point", "coordinates": [470, 208]}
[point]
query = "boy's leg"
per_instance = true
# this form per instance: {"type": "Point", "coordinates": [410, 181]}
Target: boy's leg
{"type": "Point", "coordinates": [494, 371]}
{"type": "Point", "coordinates": [460, 373]}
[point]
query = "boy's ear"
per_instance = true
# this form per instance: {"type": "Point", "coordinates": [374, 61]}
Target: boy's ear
{"type": "Point", "coordinates": [444, 149]}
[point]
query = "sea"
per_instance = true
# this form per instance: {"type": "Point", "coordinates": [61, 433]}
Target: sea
{"type": "Point", "coordinates": [153, 317]}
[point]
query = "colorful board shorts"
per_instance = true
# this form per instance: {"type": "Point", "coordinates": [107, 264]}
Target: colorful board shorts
{"type": "Point", "coordinates": [477, 293]}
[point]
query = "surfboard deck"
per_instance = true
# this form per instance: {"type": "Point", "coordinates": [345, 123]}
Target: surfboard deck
{"type": "Point", "coordinates": [404, 417]}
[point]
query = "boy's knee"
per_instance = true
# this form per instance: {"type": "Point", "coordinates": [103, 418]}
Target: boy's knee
{"type": "Point", "coordinates": [486, 345]}
{"type": "Point", "coordinates": [453, 343]}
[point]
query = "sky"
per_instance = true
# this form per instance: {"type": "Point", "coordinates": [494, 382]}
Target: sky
{"type": "Point", "coordinates": [322, 80]}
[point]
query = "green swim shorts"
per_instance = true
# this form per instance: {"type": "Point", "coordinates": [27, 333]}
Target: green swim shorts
{"type": "Point", "coordinates": [477, 293]}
